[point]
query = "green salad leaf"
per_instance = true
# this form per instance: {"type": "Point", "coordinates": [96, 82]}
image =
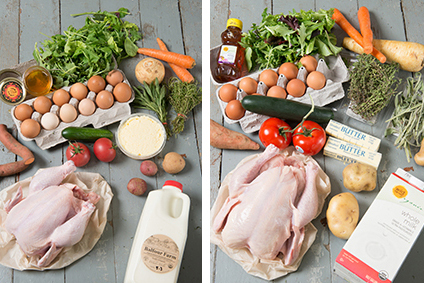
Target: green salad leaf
{"type": "Point", "coordinates": [287, 38]}
{"type": "Point", "coordinates": [94, 49]}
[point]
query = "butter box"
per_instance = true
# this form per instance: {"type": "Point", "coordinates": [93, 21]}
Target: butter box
{"type": "Point", "coordinates": [386, 233]}
{"type": "Point", "coordinates": [351, 153]}
{"type": "Point", "coordinates": [346, 133]}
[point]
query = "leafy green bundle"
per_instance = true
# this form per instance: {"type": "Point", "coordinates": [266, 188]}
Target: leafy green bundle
{"type": "Point", "coordinates": [94, 49]}
{"type": "Point", "coordinates": [286, 38]}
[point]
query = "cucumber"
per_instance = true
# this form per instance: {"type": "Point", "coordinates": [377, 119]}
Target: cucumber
{"type": "Point", "coordinates": [78, 133]}
{"type": "Point", "coordinates": [285, 109]}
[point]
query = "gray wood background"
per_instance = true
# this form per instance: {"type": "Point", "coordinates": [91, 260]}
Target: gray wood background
{"type": "Point", "coordinates": [391, 19]}
{"type": "Point", "coordinates": [22, 22]}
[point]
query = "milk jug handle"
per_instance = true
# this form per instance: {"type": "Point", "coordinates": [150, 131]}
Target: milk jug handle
{"type": "Point", "coordinates": [186, 206]}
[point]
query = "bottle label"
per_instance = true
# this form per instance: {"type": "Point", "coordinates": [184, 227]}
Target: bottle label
{"type": "Point", "coordinates": [160, 253]}
{"type": "Point", "coordinates": [227, 55]}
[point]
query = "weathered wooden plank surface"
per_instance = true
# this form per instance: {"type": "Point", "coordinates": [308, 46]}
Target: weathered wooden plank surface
{"type": "Point", "coordinates": [172, 21]}
{"type": "Point", "coordinates": [397, 20]}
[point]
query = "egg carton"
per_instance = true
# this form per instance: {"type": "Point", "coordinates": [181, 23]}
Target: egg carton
{"type": "Point", "coordinates": [100, 118]}
{"type": "Point", "coordinates": [334, 70]}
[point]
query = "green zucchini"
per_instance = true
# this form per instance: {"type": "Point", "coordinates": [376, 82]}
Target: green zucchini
{"type": "Point", "coordinates": [285, 109]}
{"type": "Point", "coordinates": [79, 133]}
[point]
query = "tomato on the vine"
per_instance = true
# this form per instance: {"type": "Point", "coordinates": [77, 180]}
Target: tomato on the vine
{"type": "Point", "coordinates": [275, 131]}
{"type": "Point", "coordinates": [78, 153]}
{"type": "Point", "coordinates": [104, 150]}
{"type": "Point", "coordinates": [309, 138]}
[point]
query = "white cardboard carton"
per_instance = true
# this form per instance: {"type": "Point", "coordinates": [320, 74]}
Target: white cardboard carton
{"type": "Point", "coordinates": [386, 233]}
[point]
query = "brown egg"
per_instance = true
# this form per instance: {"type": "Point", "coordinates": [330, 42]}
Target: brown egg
{"type": "Point", "coordinates": [122, 92]}
{"type": "Point", "coordinates": [96, 84]}
{"type": "Point", "coordinates": [234, 110]}
{"type": "Point", "coordinates": [61, 97]}
{"type": "Point", "coordinates": [23, 111]}
{"type": "Point", "coordinates": [86, 107]}
{"type": "Point", "coordinates": [276, 91]}
{"type": "Point", "coordinates": [104, 99]}
{"type": "Point", "coordinates": [248, 84]}
{"type": "Point", "coordinates": [79, 91]}
{"type": "Point", "coordinates": [289, 70]}
{"type": "Point", "coordinates": [316, 80]}
{"type": "Point", "coordinates": [30, 128]}
{"type": "Point", "coordinates": [68, 113]}
{"type": "Point", "coordinates": [309, 62]}
{"type": "Point", "coordinates": [268, 77]}
{"type": "Point", "coordinates": [296, 88]}
{"type": "Point", "coordinates": [42, 104]}
{"type": "Point", "coordinates": [255, 93]}
{"type": "Point", "coordinates": [114, 77]}
{"type": "Point", "coordinates": [227, 92]}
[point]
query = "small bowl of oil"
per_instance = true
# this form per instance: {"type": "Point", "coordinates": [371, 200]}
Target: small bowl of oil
{"type": "Point", "coordinates": [37, 80]}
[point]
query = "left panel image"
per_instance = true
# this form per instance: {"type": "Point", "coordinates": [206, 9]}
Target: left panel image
{"type": "Point", "coordinates": [100, 141]}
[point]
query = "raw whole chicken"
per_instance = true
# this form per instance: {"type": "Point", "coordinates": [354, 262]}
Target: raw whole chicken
{"type": "Point", "coordinates": [52, 216]}
{"type": "Point", "coordinates": [271, 199]}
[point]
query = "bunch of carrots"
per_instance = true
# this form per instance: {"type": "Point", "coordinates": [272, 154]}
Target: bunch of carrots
{"type": "Point", "coordinates": [178, 62]}
{"type": "Point", "coordinates": [364, 39]}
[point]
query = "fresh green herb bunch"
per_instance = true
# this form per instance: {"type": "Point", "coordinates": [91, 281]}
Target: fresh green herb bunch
{"type": "Point", "coordinates": [287, 38]}
{"type": "Point", "coordinates": [372, 85]}
{"type": "Point", "coordinates": [183, 97]}
{"type": "Point", "coordinates": [94, 49]}
{"type": "Point", "coordinates": [407, 120]}
{"type": "Point", "coordinates": [153, 97]}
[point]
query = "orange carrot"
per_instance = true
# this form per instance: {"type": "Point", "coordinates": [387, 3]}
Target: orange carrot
{"type": "Point", "coordinates": [365, 26]}
{"type": "Point", "coordinates": [181, 60]}
{"type": "Point", "coordinates": [181, 72]}
{"type": "Point", "coordinates": [353, 33]}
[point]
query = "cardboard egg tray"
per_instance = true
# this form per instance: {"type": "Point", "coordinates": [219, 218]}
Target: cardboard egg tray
{"type": "Point", "coordinates": [100, 118]}
{"type": "Point", "coordinates": [334, 70]}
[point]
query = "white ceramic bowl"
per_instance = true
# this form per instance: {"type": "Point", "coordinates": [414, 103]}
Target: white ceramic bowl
{"type": "Point", "coordinates": [147, 141]}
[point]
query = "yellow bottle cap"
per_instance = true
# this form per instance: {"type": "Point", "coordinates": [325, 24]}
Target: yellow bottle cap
{"type": "Point", "coordinates": [235, 23]}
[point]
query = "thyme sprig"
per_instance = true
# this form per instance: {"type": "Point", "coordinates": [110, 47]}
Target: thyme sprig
{"type": "Point", "coordinates": [372, 85]}
{"type": "Point", "coordinates": [183, 97]}
{"type": "Point", "coordinates": [407, 120]}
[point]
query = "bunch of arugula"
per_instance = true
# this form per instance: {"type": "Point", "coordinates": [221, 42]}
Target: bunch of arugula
{"type": "Point", "coordinates": [94, 49]}
{"type": "Point", "coordinates": [287, 38]}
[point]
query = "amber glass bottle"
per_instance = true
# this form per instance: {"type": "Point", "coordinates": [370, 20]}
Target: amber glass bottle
{"type": "Point", "coordinates": [229, 63]}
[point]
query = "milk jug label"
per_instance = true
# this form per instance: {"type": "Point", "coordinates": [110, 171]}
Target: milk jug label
{"type": "Point", "coordinates": [160, 253]}
{"type": "Point", "coordinates": [228, 54]}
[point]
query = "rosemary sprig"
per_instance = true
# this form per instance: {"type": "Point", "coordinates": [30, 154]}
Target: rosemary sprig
{"type": "Point", "coordinates": [407, 120]}
{"type": "Point", "coordinates": [153, 97]}
{"type": "Point", "coordinates": [372, 85]}
{"type": "Point", "coordinates": [183, 97]}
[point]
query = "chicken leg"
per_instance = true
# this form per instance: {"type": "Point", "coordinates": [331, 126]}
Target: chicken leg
{"type": "Point", "coordinates": [52, 176]}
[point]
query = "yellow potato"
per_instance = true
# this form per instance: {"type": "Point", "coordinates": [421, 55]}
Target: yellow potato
{"type": "Point", "coordinates": [343, 215]}
{"type": "Point", "coordinates": [359, 177]}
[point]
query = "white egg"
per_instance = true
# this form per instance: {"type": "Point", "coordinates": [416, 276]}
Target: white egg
{"type": "Point", "coordinates": [49, 121]}
{"type": "Point", "coordinates": [86, 107]}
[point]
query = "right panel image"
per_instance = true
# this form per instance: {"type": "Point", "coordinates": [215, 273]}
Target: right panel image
{"type": "Point", "coordinates": [317, 126]}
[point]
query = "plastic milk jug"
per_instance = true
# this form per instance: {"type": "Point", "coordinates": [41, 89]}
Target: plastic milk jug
{"type": "Point", "coordinates": [159, 242]}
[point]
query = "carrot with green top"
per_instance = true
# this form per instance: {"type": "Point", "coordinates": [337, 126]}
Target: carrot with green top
{"type": "Point", "coordinates": [181, 60]}
{"type": "Point", "coordinates": [354, 34]}
{"type": "Point", "coordinates": [182, 73]}
{"type": "Point", "coordinates": [365, 27]}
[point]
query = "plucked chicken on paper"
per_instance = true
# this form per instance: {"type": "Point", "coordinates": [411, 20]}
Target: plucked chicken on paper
{"type": "Point", "coordinates": [271, 198]}
{"type": "Point", "coordinates": [52, 216]}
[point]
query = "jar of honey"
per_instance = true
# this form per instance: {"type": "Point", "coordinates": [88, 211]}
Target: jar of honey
{"type": "Point", "coordinates": [37, 80]}
{"type": "Point", "coordinates": [229, 63]}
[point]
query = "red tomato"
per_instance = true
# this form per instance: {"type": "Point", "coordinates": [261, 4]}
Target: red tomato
{"type": "Point", "coordinates": [309, 138]}
{"type": "Point", "coordinates": [275, 131]}
{"type": "Point", "coordinates": [104, 150]}
{"type": "Point", "coordinates": [78, 153]}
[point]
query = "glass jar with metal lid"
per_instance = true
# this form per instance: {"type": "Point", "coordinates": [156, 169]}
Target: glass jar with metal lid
{"type": "Point", "coordinates": [12, 90]}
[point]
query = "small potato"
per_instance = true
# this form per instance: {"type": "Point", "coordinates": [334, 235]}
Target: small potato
{"type": "Point", "coordinates": [359, 177]}
{"type": "Point", "coordinates": [137, 186]}
{"type": "Point", "coordinates": [343, 215]}
{"type": "Point", "coordinates": [148, 168]}
{"type": "Point", "coordinates": [173, 163]}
